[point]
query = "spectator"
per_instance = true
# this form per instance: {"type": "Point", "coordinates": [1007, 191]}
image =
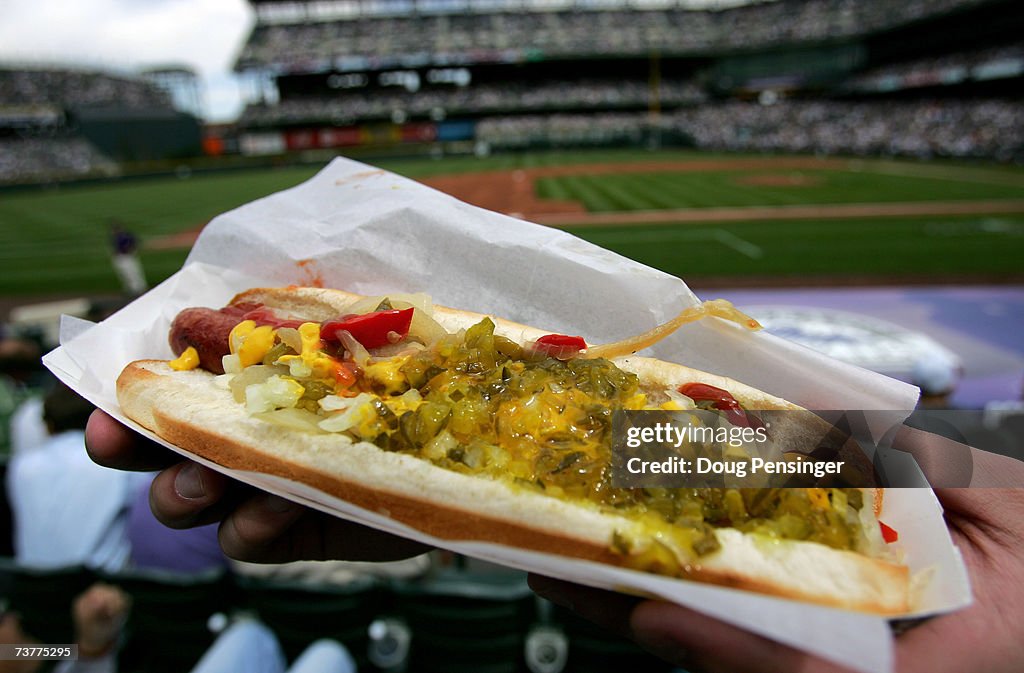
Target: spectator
{"type": "Point", "coordinates": [21, 409]}
{"type": "Point", "coordinates": [98, 615]}
{"type": "Point", "coordinates": [66, 509]}
{"type": "Point", "coordinates": [246, 645]}
{"type": "Point", "coordinates": [250, 646]}
{"type": "Point", "coordinates": [156, 547]}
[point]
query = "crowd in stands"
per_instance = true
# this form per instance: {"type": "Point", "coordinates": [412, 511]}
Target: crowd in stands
{"type": "Point", "coordinates": [490, 36]}
{"type": "Point", "coordinates": [351, 107]}
{"type": "Point", "coordinates": [946, 69]}
{"type": "Point", "coordinates": [36, 143]}
{"type": "Point", "coordinates": [76, 88]}
{"type": "Point", "coordinates": [989, 128]}
{"type": "Point", "coordinates": [952, 128]}
{"type": "Point", "coordinates": [522, 132]}
{"type": "Point", "coordinates": [36, 159]}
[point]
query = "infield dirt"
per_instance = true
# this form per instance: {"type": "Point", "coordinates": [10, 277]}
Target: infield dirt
{"type": "Point", "coordinates": [513, 193]}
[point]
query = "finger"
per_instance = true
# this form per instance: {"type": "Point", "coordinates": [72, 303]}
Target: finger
{"type": "Point", "coordinates": [111, 444]}
{"type": "Point", "coordinates": [188, 495]}
{"type": "Point", "coordinates": [269, 529]}
{"type": "Point", "coordinates": [111, 599]}
{"type": "Point", "coordinates": [997, 511]}
{"type": "Point", "coordinates": [688, 638]}
{"type": "Point", "coordinates": [607, 609]}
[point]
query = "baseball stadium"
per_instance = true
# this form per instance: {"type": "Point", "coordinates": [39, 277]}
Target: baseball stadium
{"type": "Point", "coordinates": [848, 172]}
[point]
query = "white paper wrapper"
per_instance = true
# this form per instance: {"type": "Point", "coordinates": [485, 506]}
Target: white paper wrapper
{"type": "Point", "coordinates": [373, 232]}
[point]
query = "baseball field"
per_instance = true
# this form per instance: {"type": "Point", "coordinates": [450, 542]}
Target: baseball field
{"type": "Point", "coordinates": [712, 219]}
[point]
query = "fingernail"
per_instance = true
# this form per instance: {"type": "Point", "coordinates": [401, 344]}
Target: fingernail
{"type": "Point", "coordinates": [276, 504]}
{"type": "Point", "coordinates": [188, 484]}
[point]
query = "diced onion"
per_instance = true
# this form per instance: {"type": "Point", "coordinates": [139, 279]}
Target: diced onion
{"type": "Point", "coordinates": [871, 542]}
{"type": "Point", "coordinates": [364, 305]}
{"type": "Point", "coordinates": [250, 376]}
{"type": "Point", "coordinates": [425, 329]}
{"type": "Point", "coordinates": [291, 418]}
{"type": "Point", "coordinates": [438, 447]}
{"type": "Point", "coordinates": [290, 337]}
{"type": "Point", "coordinates": [232, 364]}
{"type": "Point", "coordinates": [678, 401]}
{"type": "Point", "coordinates": [417, 300]}
{"type": "Point", "coordinates": [297, 367]}
{"type": "Point", "coordinates": [480, 455]}
{"type": "Point", "coordinates": [339, 403]}
{"type": "Point", "coordinates": [275, 393]}
{"type": "Point", "coordinates": [394, 350]}
{"type": "Point", "coordinates": [358, 352]}
{"type": "Point", "coordinates": [360, 409]}
{"type": "Point", "coordinates": [407, 401]}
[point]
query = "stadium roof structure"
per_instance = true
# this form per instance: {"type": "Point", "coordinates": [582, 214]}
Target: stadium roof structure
{"type": "Point", "coordinates": [329, 9]}
{"type": "Point", "coordinates": [528, 4]}
{"type": "Point", "coordinates": [177, 69]}
{"type": "Point", "coordinates": [295, 37]}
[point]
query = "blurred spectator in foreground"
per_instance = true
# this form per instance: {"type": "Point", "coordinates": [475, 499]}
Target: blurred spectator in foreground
{"type": "Point", "coordinates": [99, 614]}
{"type": "Point", "coordinates": [20, 377]}
{"type": "Point", "coordinates": [248, 645]}
{"type": "Point", "coordinates": [19, 356]}
{"type": "Point", "coordinates": [154, 546]}
{"type": "Point", "coordinates": [67, 510]}
{"type": "Point", "coordinates": [27, 428]}
{"type": "Point", "coordinates": [125, 249]}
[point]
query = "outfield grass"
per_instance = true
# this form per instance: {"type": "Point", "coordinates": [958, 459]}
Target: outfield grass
{"type": "Point", "coordinates": [54, 241]}
{"type": "Point", "coordinates": [669, 190]}
{"type": "Point", "coordinates": [885, 247]}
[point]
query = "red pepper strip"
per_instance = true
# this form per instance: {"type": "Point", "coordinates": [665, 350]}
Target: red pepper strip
{"type": "Point", "coordinates": [721, 399]}
{"type": "Point", "coordinates": [370, 329]}
{"type": "Point", "coordinates": [888, 534]}
{"type": "Point", "coordinates": [264, 316]}
{"type": "Point", "coordinates": [560, 346]}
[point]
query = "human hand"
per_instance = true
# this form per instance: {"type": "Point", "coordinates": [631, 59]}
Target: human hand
{"type": "Point", "coordinates": [11, 633]}
{"type": "Point", "coordinates": [99, 615]}
{"type": "Point", "coordinates": [987, 525]}
{"type": "Point", "coordinates": [255, 526]}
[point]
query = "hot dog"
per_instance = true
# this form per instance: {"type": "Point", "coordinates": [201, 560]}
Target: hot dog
{"type": "Point", "coordinates": [468, 427]}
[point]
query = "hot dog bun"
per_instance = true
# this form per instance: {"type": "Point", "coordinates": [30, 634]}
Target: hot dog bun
{"type": "Point", "coordinates": [187, 409]}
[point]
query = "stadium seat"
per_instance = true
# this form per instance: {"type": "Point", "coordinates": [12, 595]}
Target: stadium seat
{"type": "Point", "coordinates": [43, 598]}
{"type": "Point", "coordinates": [595, 650]}
{"type": "Point", "coordinates": [300, 612]}
{"type": "Point", "coordinates": [6, 520]}
{"type": "Point", "coordinates": [167, 629]}
{"type": "Point", "coordinates": [463, 622]}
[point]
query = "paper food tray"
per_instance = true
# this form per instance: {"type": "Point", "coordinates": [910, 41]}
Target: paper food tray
{"type": "Point", "coordinates": [372, 232]}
